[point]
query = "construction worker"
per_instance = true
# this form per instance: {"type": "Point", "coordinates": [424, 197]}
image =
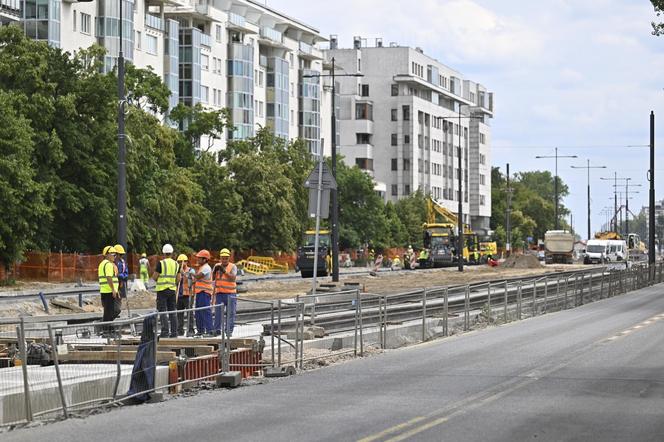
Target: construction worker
{"type": "Point", "coordinates": [372, 257]}
{"type": "Point", "coordinates": [396, 263]}
{"type": "Point", "coordinates": [185, 292]}
{"type": "Point", "coordinates": [108, 287]}
{"type": "Point", "coordinates": [225, 287]}
{"type": "Point", "coordinates": [424, 258]}
{"type": "Point", "coordinates": [123, 270]}
{"type": "Point", "coordinates": [203, 289]}
{"type": "Point", "coordinates": [167, 275]}
{"type": "Point", "coordinates": [144, 268]}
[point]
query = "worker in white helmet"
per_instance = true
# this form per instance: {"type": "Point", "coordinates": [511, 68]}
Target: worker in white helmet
{"type": "Point", "coordinates": [167, 276]}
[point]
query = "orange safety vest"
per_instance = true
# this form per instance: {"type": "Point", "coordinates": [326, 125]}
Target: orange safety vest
{"type": "Point", "coordinates": [204, 285]}
{"type": "Point", "coordinates": [184, 282]}
{"type": "Point", "coordinates": [224, 284]}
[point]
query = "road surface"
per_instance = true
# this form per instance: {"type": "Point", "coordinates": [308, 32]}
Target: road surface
{"type": "Point", "coordinates": [592, 373]}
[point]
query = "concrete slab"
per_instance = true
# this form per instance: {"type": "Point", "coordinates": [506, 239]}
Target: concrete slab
{"type": "Point", "coordinates": [82, 383]}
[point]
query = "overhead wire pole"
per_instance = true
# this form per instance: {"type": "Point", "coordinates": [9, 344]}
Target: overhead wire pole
{"type": "Point", "coordinates": [555, 183]}
{"type": "Point", "coordinates": [651, 178]}
{"type": "Point", "coordinates": [335, 200]}
{"type": "Point", "coordinates": [616, 208]}
{"type": "Point", "coordinates": [588, 167]}
{"type": "Point", "coordinates": [627, 187]}
{"type": "Point", "coordinates": [122, 150]}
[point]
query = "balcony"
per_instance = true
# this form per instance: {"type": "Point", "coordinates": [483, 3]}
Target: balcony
{"type": "Point", "coordinates": [206, 40]}
{"type": "Point", "coordinates": [309, 52]}
{"type": "Point", "coordinates": [272, 37]}
{"type": "Point", "coordinates": [237, 20]}
{"type": "Point", "coordinates": [154, 22]}
{"type": "Point", "coordinates": [11, 7]}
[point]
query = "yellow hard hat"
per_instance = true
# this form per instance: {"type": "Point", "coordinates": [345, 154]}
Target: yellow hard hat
{"type": "Point", "coordinates": [143, 255]}
{"type": "Point", "coordinates": [109, 249]}
{"type": "Point", "coordinates": [183, 257]}
{"type": "Point", "coordinates": [225, 252]}
{"type": "Point", "coordinates": [119, 249]}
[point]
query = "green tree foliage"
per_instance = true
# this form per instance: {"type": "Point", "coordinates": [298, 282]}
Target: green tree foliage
{"type": "Point", "coordinates": [658, 26]}
{"type": "Point", "coordinates": [412, 212]}
{"type": "Point", "coordinates": [198, 122]}
{"type": "Point", "coordinates": [532, 208]}
{"type": "Point", "coordinates": [21, 196]}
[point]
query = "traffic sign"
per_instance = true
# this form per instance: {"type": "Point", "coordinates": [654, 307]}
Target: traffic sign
{"type": "Point", "coordinates": [328, 183]}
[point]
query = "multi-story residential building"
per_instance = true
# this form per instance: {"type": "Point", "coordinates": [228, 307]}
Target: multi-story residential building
{"type": "Point", "coordinates": [400, 123]}
{"type": "Point", "coordinates": [240, 54]}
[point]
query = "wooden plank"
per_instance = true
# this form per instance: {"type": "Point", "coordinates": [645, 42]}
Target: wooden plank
{"type": "Point", "coordinates": [110, 356]}
{"type": "Point", "coordinates": [199, 350]}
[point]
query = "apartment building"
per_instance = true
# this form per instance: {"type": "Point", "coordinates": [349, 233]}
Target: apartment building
{"type": "Point", "coordinates": [400, 123]}
{"type": "Point", "coordinates": [241, 54]}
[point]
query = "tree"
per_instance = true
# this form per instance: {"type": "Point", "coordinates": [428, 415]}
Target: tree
{"type": "Point", "coordinates": [21, 196]}
{"type": "Point", "coordinates": [658, 27]}
{"type": "Point", "coordinates": [412, 211]}
{"type": "Point", "coordinates": [197, 122]}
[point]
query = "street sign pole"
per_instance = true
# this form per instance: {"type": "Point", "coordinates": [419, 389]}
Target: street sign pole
{"type": "Point", "coordinates": [319, 191]}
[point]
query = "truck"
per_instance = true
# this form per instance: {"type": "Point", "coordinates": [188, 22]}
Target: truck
{"type": "Point", "coordinates": [558, 247]}
{"type": "Point", "coordinates": [597, 252]}
{"type": "Point", "coordinates": [305, 254]}
{"type": "Point", "coordinates": [635, 250]}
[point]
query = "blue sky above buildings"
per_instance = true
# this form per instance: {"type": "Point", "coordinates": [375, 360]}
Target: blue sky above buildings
{"type": "Point", "coordinates": [582, 75]}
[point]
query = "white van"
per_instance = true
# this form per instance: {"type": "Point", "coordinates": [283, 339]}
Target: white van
{"type": "Point", "coordinates": [597, 251]}
{"type": "Point", "coordinates": [617, 250]}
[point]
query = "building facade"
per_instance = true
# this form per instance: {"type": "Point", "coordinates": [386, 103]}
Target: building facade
{"type": "Point", "coordinates": [238, 54]}
{"type": "Point", "coordinates": [404, 120]}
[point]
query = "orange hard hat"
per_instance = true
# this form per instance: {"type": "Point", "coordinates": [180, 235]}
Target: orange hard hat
{"type": "Point", "coordinates": [203, 254]}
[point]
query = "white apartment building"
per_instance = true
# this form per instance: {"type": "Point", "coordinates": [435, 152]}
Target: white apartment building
{"type": "Point", "coordinates": [239, 54]}
{"type": "Point", "coordinates": [400, 123]}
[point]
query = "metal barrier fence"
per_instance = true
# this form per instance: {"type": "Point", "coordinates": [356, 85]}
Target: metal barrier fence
{"type": "Point", "coordinates": [61, 369]}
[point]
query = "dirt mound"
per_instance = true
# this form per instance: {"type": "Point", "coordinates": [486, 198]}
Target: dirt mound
{"type": "Point", "coordinates": [522, 262]}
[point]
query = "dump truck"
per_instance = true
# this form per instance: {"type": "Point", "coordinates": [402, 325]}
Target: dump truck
{"type": "Point", "coordinates": [558, 247]}
{"type": "Point", "coordinates": [305, 254]}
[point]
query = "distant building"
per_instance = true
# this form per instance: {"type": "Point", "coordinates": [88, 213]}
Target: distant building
{"type": "Point", "coordinates": [400, 123]}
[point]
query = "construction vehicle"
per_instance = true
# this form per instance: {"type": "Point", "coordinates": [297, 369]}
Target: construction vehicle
{"type": "Point", "coordinates": [558, 247]}
{"type": "Point", "coordinates": [487, 244]}
{"type": "Point", "coordinates": [441, 237]}
{"type": "Point", "coordinates": [636, 249]}
{"type": "Point", "coordinates": [305, 254]}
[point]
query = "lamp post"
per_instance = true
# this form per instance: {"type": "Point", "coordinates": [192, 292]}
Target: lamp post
{"type": "Point", "coordinates": [555, 182]}
{"type": "Point", "coordinates": [335, 200]}
{"type": "Point", "coordinates": [588, 167]}
{"type": "Point", "coordinates": [651, 196]}
{"type": "Point", "coordinates": [122, 150]}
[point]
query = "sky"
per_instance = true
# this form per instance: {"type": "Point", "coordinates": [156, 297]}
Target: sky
{"type": "Point", "coordinates": [581, 75]}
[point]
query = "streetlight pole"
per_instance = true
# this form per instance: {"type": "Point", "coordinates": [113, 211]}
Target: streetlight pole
{"type": "Point", "coordinates": [651, 196]}
{"type": "Point", "coordinates": [588, 167]}
{"type": "Point", "coordinates": [615, 180]}
{"type": "Point", "coordinates": [122, 151]}
{"type": "Point", "coordinates": [555, 182]}
{"type": "Point", "coordinates": [335, 200]}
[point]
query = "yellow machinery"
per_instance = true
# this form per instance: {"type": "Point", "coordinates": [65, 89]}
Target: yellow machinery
{"type": "Point", "coordinates": [441, 237]}
{"type": "Point", "coordinates": [305, 254]}
{"type": "Point", "coordinates": [636, 248]}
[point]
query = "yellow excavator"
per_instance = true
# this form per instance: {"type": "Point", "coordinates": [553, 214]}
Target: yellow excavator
{"type": "Point", "coordinates": [440, 236]}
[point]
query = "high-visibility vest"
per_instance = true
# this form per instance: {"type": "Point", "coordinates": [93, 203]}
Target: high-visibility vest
{"type": "Point", "coordinates": [224, 284]}
{"type": "Point", "coordinates": [144, 265]}
{"type": "Point", "coordinates": [204, 285]}
{"type": "Point", "coordinates": [104, 286]}
{"type": "Point", "coordinates": [184, 282]}
{"type": "Point", "coordinates": [166, 280]}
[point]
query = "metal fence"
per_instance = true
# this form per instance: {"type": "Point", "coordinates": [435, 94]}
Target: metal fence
{"type": "Point", "coordinates": [53, 369]}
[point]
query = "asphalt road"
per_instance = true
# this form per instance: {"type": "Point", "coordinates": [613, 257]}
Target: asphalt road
{"type": "Point", "coordinates": [593, 373]}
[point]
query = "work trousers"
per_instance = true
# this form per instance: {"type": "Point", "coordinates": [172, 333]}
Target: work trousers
{"type": "Point", "coordinates": [203, 317]}
{"type": "Point", "coordinates": [184, 303]}
{"type": "Point", "coordinates": [166, 302]}
{"type": "Point", "coordinates": [122, 289]}
{"type": "Point", "coordinates": [230, 301]}
{"type": "Point", "coordinates": [144, 276]}
{"type": "Point", "coordinates": [111, 308]}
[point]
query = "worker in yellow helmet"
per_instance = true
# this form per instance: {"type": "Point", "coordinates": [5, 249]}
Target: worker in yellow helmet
{"type": "Point", "coordinates": [185, 295]}
{"type": "Point", "coordinates": [108, 287]}
{"type": "Point", "coordinates": [123, 270]}
{"type": "Point", "coordinates": [225, 288]}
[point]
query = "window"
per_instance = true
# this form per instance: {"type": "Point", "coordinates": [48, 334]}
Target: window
{"type": "Point", "coordinates": [406, 139]}
{"type": "Point", "coordinates": [363, 111]}
{"type": "Point", "coordinates": [482, 138]}
{"type": "Point", "coordinates": [406, 164]}
{"type": "Point", "coordinates": [261, 78]}
{"type": "Point", "coordinates": [395, 164]}
{"type": "Point", "coordinates": [482, 159]}
{"type": "Point", "coordinates": [482, 200]}
{"type": "Point", "coordinates": [85, 23]}
{"type": "Point", "coordinates": [139, 39]}
{"type": "Point", "coordinates": [359, 65]}
{"type": "Point", "coordinates": [363, 138]}
{"type": "Point", "coordinates": [205, 62]}
{"type": "Point", "coordinates": [292, 117]}
{"type": "Point", "coordinates": [395, 114]}
{"type": "Point", "coordinates": [290, 58]}
{"type": "Point", "coordinates": [482, 180]}
{"type": "Point", "coordinates": [151, 44]}
{"type": "Point", "coordinates": [406, 113]}
{"type": "Point", "coordinates": [364, 90]}
{"type": "Point", "coordinates": [204, 93]}
{"type": "Point", "coordinates": [406, 189]}
{"type": "Point", "coordinates": [395, 139]}
{"type": "Point", "coordinates": [395, 90]}
{"type": "Point", "coordinates": [74, 22]}
{"type": "Point", "coordinates": [292, 89]}
{"type": "Point", "coordinates": [395, 190]}
{"type": "Point", "coordinates": [364, 163]}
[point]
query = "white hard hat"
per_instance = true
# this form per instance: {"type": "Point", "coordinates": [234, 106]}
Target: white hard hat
{"type": "Point", "coordinates": [167, 249]}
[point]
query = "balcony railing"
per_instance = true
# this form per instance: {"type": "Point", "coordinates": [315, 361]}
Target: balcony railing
{"type": "Point", "coordinates": [271, 34]}
{"type": "Point", "coordinates": [152, 21]}
{"type": "Point", "coordinates": [306, 48]}
{"type": "Point", "coordinates": [236, 19]}
{"type": "Point", "coordinates": [206, 40]}
{"type": "Point", "coordinates": [11, 6]}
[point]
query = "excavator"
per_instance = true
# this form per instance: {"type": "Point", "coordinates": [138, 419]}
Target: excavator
{"type": "Point", "coordinates": [636, 248]}
{"type": "Point", "coordinates": [440, 236]}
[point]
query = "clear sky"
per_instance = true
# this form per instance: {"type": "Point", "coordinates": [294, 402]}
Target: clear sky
{"type": "Point", "coordinates": [582, 75]}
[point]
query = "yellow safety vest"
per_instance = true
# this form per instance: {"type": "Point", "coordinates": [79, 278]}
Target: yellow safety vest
{"type": "Point", "coordinates": [104, 286]}
{"type": "Point", "coordinates": [166, 280]}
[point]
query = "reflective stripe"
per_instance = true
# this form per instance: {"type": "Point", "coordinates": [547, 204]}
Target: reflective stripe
{"type": "Point", "coordinates": [204, 285]}
{"type": "Point", "coordinates": [104, 287]}
{"type": "Point", "coordinates": [166, 279]}
{"type": "Point", "coordinates": [224, 284]}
